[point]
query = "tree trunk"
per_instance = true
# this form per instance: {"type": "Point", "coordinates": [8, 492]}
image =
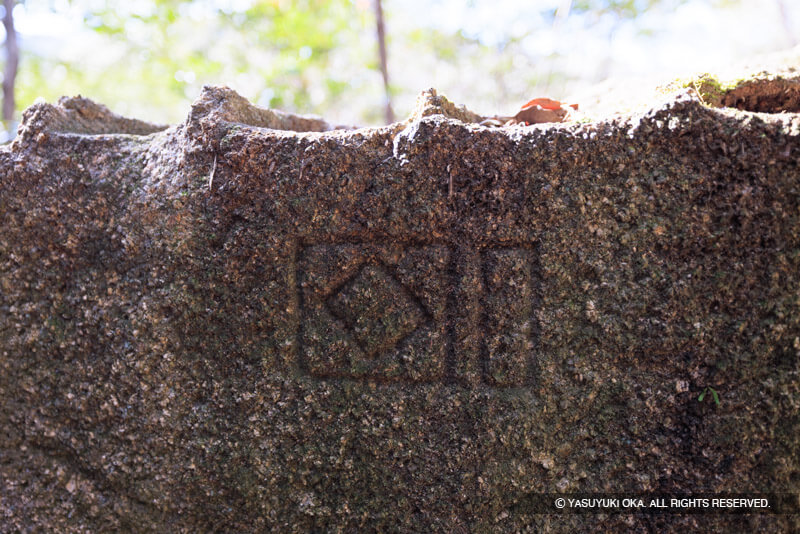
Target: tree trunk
{"type": "Point", "coordinates": [388, 113]}
{"type": "Point", "coordinates": [787, 26]}
{"type": "Point", "coordinates": [12, 61]}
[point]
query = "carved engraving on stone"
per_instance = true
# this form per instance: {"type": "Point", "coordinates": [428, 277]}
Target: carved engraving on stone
{"type": "Point", "coordinates": [374, 311]}
{"type": "Point", "coordinates": [419, 313]}
{"type": "Point", "coordinates": [511, 298]}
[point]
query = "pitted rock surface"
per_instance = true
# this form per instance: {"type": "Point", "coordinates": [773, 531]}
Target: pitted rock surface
{"type": "Point", "coordinates": [254, 322]}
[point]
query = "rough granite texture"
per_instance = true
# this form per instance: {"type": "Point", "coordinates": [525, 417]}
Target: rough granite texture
{"type": "Point", "coordinates": [239, 325]}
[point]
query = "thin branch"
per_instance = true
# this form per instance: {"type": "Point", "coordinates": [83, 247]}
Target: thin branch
{"type": "Point", "coordinates": [787, 26]}
{"type": "Point", "coordinates": [388, 112]}
{"type": "Point", "coordinates": [12, 61]}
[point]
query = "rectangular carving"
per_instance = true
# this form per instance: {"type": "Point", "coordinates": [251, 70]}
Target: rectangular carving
{"type": "Point", "coordinates": [511, 297]}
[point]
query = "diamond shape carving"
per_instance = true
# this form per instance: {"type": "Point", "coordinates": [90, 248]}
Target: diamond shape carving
{"type": "Point", "coordinates": [372, 310]}
{"type": "Point", "coordinates": [376, 309]}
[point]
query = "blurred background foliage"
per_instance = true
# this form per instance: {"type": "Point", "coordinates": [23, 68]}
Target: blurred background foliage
{"type": "Point", "coordinates": [149, 58]}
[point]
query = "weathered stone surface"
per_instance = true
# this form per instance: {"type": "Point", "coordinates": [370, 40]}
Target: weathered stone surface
{"type": "Point", "coordinates": [224, 326]}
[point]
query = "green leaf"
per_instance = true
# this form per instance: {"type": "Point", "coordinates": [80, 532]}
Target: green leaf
{"type": "Point", "coordinates": [702, 395]}
{"type": "Point", "coordinates": [714, 394]}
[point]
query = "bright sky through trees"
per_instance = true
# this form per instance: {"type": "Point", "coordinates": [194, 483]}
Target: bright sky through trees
{"type": "Point", "coordinates": [149, 58]}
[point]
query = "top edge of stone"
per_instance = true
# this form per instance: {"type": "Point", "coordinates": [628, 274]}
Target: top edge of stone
{"type": "Point", "coordinates": [219, 107]}
{"type": "Point", "coordinates": [81, 116]}
{"type": "Point", "coordinates": [430, 102]}
{"type": "Point", "coordinates": [223, 104]}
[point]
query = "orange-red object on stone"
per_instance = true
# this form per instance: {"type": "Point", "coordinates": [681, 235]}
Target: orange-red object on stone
{"type": "Point", "coordinates": [548, 103]}
{"type": "Point", "coordinates": [541, 110]}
